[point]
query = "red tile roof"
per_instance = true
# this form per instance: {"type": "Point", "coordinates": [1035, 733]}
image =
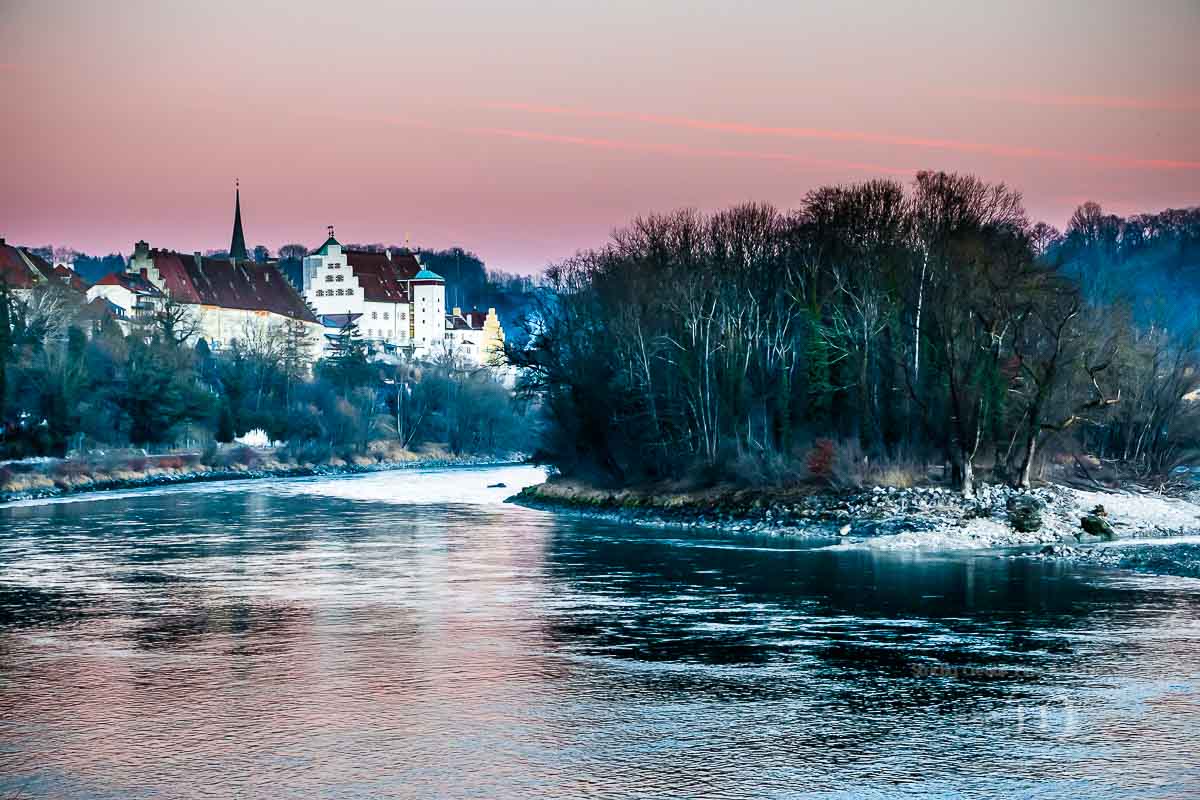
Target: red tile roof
{"type": "Point", "coordinates": [16, 269]}
{"type": "Point", "coordinates": [383, 280]}
{"type": "Point", "coordinates": [219, 282]}
{"type": "Point", "coordinates": [132, 281]}
{"type": "Point", "coordinates": [13, 269]}
{"type": "Point", "coordinates": [70, 278]}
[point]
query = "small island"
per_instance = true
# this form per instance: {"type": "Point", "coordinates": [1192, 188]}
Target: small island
{"type": "Point", "coordinates": [909, 366]}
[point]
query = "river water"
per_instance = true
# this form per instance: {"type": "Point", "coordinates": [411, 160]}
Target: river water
{"type": "Point", "coordinates": [407, 634]}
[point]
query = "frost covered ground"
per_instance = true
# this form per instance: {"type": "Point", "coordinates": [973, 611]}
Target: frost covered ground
{"type": "Point", "coordinates": [925, 517]}
{"type": "Point", "coordinates": [1131, 514]}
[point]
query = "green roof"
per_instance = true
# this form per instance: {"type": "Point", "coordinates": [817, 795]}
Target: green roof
{"type": "Point", "coordinates": [426, 275]}
{"type": "Point", "coordinates": [323, 250]}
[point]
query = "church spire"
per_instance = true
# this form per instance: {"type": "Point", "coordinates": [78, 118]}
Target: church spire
{"type": "Point", "coordinates": [237, 248]}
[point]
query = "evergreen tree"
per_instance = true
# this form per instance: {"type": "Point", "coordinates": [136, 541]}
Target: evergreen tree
{"type": "Point", "coordinates": [225, 433]}
{"type": "Point", "coordinates": [347, 365]}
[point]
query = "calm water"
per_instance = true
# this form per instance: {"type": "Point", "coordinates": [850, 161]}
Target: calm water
{"type": "Point", "coordinates": [407, 635]}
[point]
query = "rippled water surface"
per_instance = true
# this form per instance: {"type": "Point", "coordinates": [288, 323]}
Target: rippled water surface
{"type": "Point", "coordinates": [407, 635]}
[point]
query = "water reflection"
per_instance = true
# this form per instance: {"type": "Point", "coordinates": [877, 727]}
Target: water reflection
{"type": "Point", "coordinates": [407, 635]}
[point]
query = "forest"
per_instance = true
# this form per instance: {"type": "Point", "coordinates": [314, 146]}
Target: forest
{"type": "Point", "coordinates": [879, 328]}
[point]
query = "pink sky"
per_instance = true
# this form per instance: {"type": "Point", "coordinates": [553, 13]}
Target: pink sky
{"type": "Point", "coordinates": [526, 130]}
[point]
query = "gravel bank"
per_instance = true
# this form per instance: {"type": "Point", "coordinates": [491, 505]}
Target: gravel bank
{"type": "Point", "coordinates": [883, 518]}
{"type": "Point", "coordinates": [171, 477]}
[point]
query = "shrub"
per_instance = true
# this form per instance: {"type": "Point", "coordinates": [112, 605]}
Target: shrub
{"type": "Point", "coordinates": [169, 462]}
{"type": "Point", "coordinates": [900, 474]}
{"type": "Point", "coordinates": [246, 456]}
{"type": "Point", "coordinates": [71, 469]}
{"type": "Point", "coordinates": [820, 460]}
{"type": "Point", "coordinates": [849, 467]}
{"type": "Point", "coordinates": [310, 452]}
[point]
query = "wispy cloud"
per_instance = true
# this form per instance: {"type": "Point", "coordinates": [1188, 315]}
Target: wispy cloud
{"type": "Point", "coordinates": [1114, 102]}
{"type": "Point", "coordinates": [686, 150]}
{"type": "Point", "coordinates": [928, 143]}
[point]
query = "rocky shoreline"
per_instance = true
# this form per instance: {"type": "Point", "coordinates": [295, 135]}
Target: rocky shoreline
{"type": "Point", "coordinates": [888, 518]}
{"type": "Point", "coordinates": [1181, 559]}
{"type": "Point", "coordinates": [241, 473]}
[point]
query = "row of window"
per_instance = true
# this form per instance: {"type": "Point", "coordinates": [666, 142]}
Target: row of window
{"type": "Point", "coordinates": [331, 278]}
{"type": "Point", "coordinates": [333, 292]}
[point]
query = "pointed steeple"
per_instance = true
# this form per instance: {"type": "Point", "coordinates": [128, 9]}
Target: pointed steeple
{"type": "Point", "coordinates": [237, 248]}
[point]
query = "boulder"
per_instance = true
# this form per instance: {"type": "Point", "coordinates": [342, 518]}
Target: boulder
{"type": "Point", "coordinates": [1097, 525]}
{"type": "Point", "coordinates": [1025, 512]}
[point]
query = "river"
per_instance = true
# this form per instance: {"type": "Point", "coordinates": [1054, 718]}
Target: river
{"type": "Point", "coordinates": [407, 634]}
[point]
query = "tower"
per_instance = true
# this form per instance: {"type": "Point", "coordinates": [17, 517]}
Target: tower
{"type": "Point", "coordinates": [237, 247]}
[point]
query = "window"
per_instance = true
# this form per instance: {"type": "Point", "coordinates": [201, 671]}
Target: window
{"type": "Point", "coordinates": [339, 292]}
{"type": "Point", "coordinates": [374, 315]}
{"type": "Point", "coordinates": [339, 278]}
{"type": "Point", "coordinates": [328, 278]}
{"type": "Point", "coordinates": [385, 315]}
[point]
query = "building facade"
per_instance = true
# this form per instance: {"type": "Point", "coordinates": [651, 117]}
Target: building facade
{"type": "Point", "coordinates": [474, 336]}
{"type": "Point", "coordinates": [229, 299]}
{"type": "Point", "coordinates": [138, 299]}
{"type": "Point", "coordinates": [222, 299]}
{"type": "Point", "coordinates": [396, 303]}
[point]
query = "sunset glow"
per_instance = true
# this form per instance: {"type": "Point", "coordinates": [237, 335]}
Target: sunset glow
{"type": "Point", "coordinates": [525, 132]}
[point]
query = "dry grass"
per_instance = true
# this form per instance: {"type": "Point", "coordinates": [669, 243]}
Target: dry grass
{"type": "Point", "coordinates": [901, 475]}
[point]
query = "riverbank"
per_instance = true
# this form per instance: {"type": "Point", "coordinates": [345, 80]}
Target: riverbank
{"type": "Point", "coordinates": [56, 481]}
{"type": "Point", "coordinates": [888, 518]}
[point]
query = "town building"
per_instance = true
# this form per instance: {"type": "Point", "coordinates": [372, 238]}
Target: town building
{"type": "Point", "coordinates": [138, 299]}
{"type": "Point", "coordinates": [396, 303]}
{"type": "Point", "coordinates": [227, 298]}
{"type": "Point", "coordinates": [23, 270]}
{"type": "Point", "coordinates": [474, 336]}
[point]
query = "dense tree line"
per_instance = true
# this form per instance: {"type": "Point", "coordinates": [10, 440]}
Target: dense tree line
{"type": "Point", "coordinates": [930, 323]}
{"type": "Point", "coordinates": [71, 382]}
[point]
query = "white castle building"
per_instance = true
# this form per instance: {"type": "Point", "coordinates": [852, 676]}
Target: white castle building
{"type": "Point", "coordinates": [397, 304]}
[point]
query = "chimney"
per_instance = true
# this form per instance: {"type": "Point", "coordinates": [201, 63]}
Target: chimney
{"type": "Point", "coordinates": [387, 251]}
{"type": "Point", "coordinates": [197, 258]}
{"type": "Point", "coordinates": [1, 241]}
